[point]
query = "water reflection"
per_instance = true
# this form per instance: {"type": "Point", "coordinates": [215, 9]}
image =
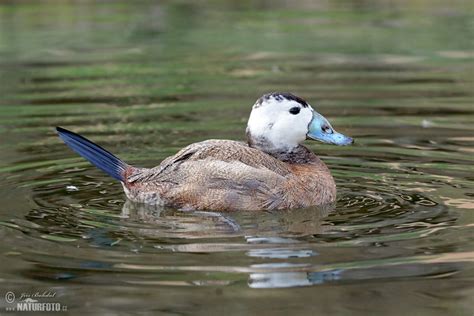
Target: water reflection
{"type": "Point", "coordinates": [291, 279]}
{"type": "Point", "coordinates": [213, 224]}
{"type": "Point", "coordinates": [302, 222]}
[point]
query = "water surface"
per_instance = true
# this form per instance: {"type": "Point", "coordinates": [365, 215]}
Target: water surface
{"type": "Point", "coordinates": [146, 79]}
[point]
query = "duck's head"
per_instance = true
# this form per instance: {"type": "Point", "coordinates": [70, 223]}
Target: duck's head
{"type": "Point", "coordinates": [281, 121]}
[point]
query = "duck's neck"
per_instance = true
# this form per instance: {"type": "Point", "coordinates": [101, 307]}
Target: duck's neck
{"type": "Point", "coordinates": [295, 155]}
{"type": "Point", "coordinates": [298, 155]}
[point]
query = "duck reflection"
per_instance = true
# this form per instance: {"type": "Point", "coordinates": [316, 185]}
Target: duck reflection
{"type": "Point", "coordinates": [268, 235]}
{"type": "Point", "coordinates": [276, 227]}
{"type": "Point", "coordinates": [164, 222]}
{"type": "Point", "coordinates": [292, 279]}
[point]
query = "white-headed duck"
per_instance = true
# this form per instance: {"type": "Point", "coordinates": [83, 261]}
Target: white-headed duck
{"type": "Point", "coordinates": [271, 171]}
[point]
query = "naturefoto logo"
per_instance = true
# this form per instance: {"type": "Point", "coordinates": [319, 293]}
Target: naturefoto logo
{"type": "Point", "coordinates": [28, 302]}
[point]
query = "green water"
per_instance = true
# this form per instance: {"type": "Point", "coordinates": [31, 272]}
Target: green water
{"type": "Point", "coordinates": [146, 78]}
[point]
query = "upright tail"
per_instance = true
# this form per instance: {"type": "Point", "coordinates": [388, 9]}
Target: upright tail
{"type": "Point", "coordinates": [97, 155]}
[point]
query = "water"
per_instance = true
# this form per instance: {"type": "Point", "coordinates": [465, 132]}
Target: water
{"type": "Point", "coordinates": [146, 79]}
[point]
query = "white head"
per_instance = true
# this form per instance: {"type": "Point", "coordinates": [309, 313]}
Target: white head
{"type": "Point", "coordinates": [281, 121]}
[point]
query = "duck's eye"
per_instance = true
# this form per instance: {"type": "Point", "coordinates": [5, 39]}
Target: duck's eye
{"type": "Point", "coordinates": [326, 129]}
{"type": "Point", "coordinates": [295, 110]}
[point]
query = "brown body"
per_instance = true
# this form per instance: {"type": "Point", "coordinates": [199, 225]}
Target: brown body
{"type": "Point", "coordinates": [230, 175]}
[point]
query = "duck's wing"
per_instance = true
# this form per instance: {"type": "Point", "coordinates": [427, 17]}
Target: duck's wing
{"type": "Point", "coordinates": [217, 174]}
{"type": "Point", "coordinates": [213, 150]}
{"type": "Point", "coordinates": [228, 151]}
{"type": "Point", "coordinates": [223, 185]}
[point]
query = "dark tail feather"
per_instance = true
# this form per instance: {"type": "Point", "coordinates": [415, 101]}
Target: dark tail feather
{"type": "Point", "coordinates": [97, 155]}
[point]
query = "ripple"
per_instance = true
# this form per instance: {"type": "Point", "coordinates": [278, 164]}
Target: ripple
{"type": "Point", "coordinates": [100, 232]}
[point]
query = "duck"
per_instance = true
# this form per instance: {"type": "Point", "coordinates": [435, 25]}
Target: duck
{"type": "Point", "coordinates": [271, 170]}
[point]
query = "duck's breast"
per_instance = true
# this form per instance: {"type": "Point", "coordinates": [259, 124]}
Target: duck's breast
{"type": "Point", "coordinates": [310, 184]}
